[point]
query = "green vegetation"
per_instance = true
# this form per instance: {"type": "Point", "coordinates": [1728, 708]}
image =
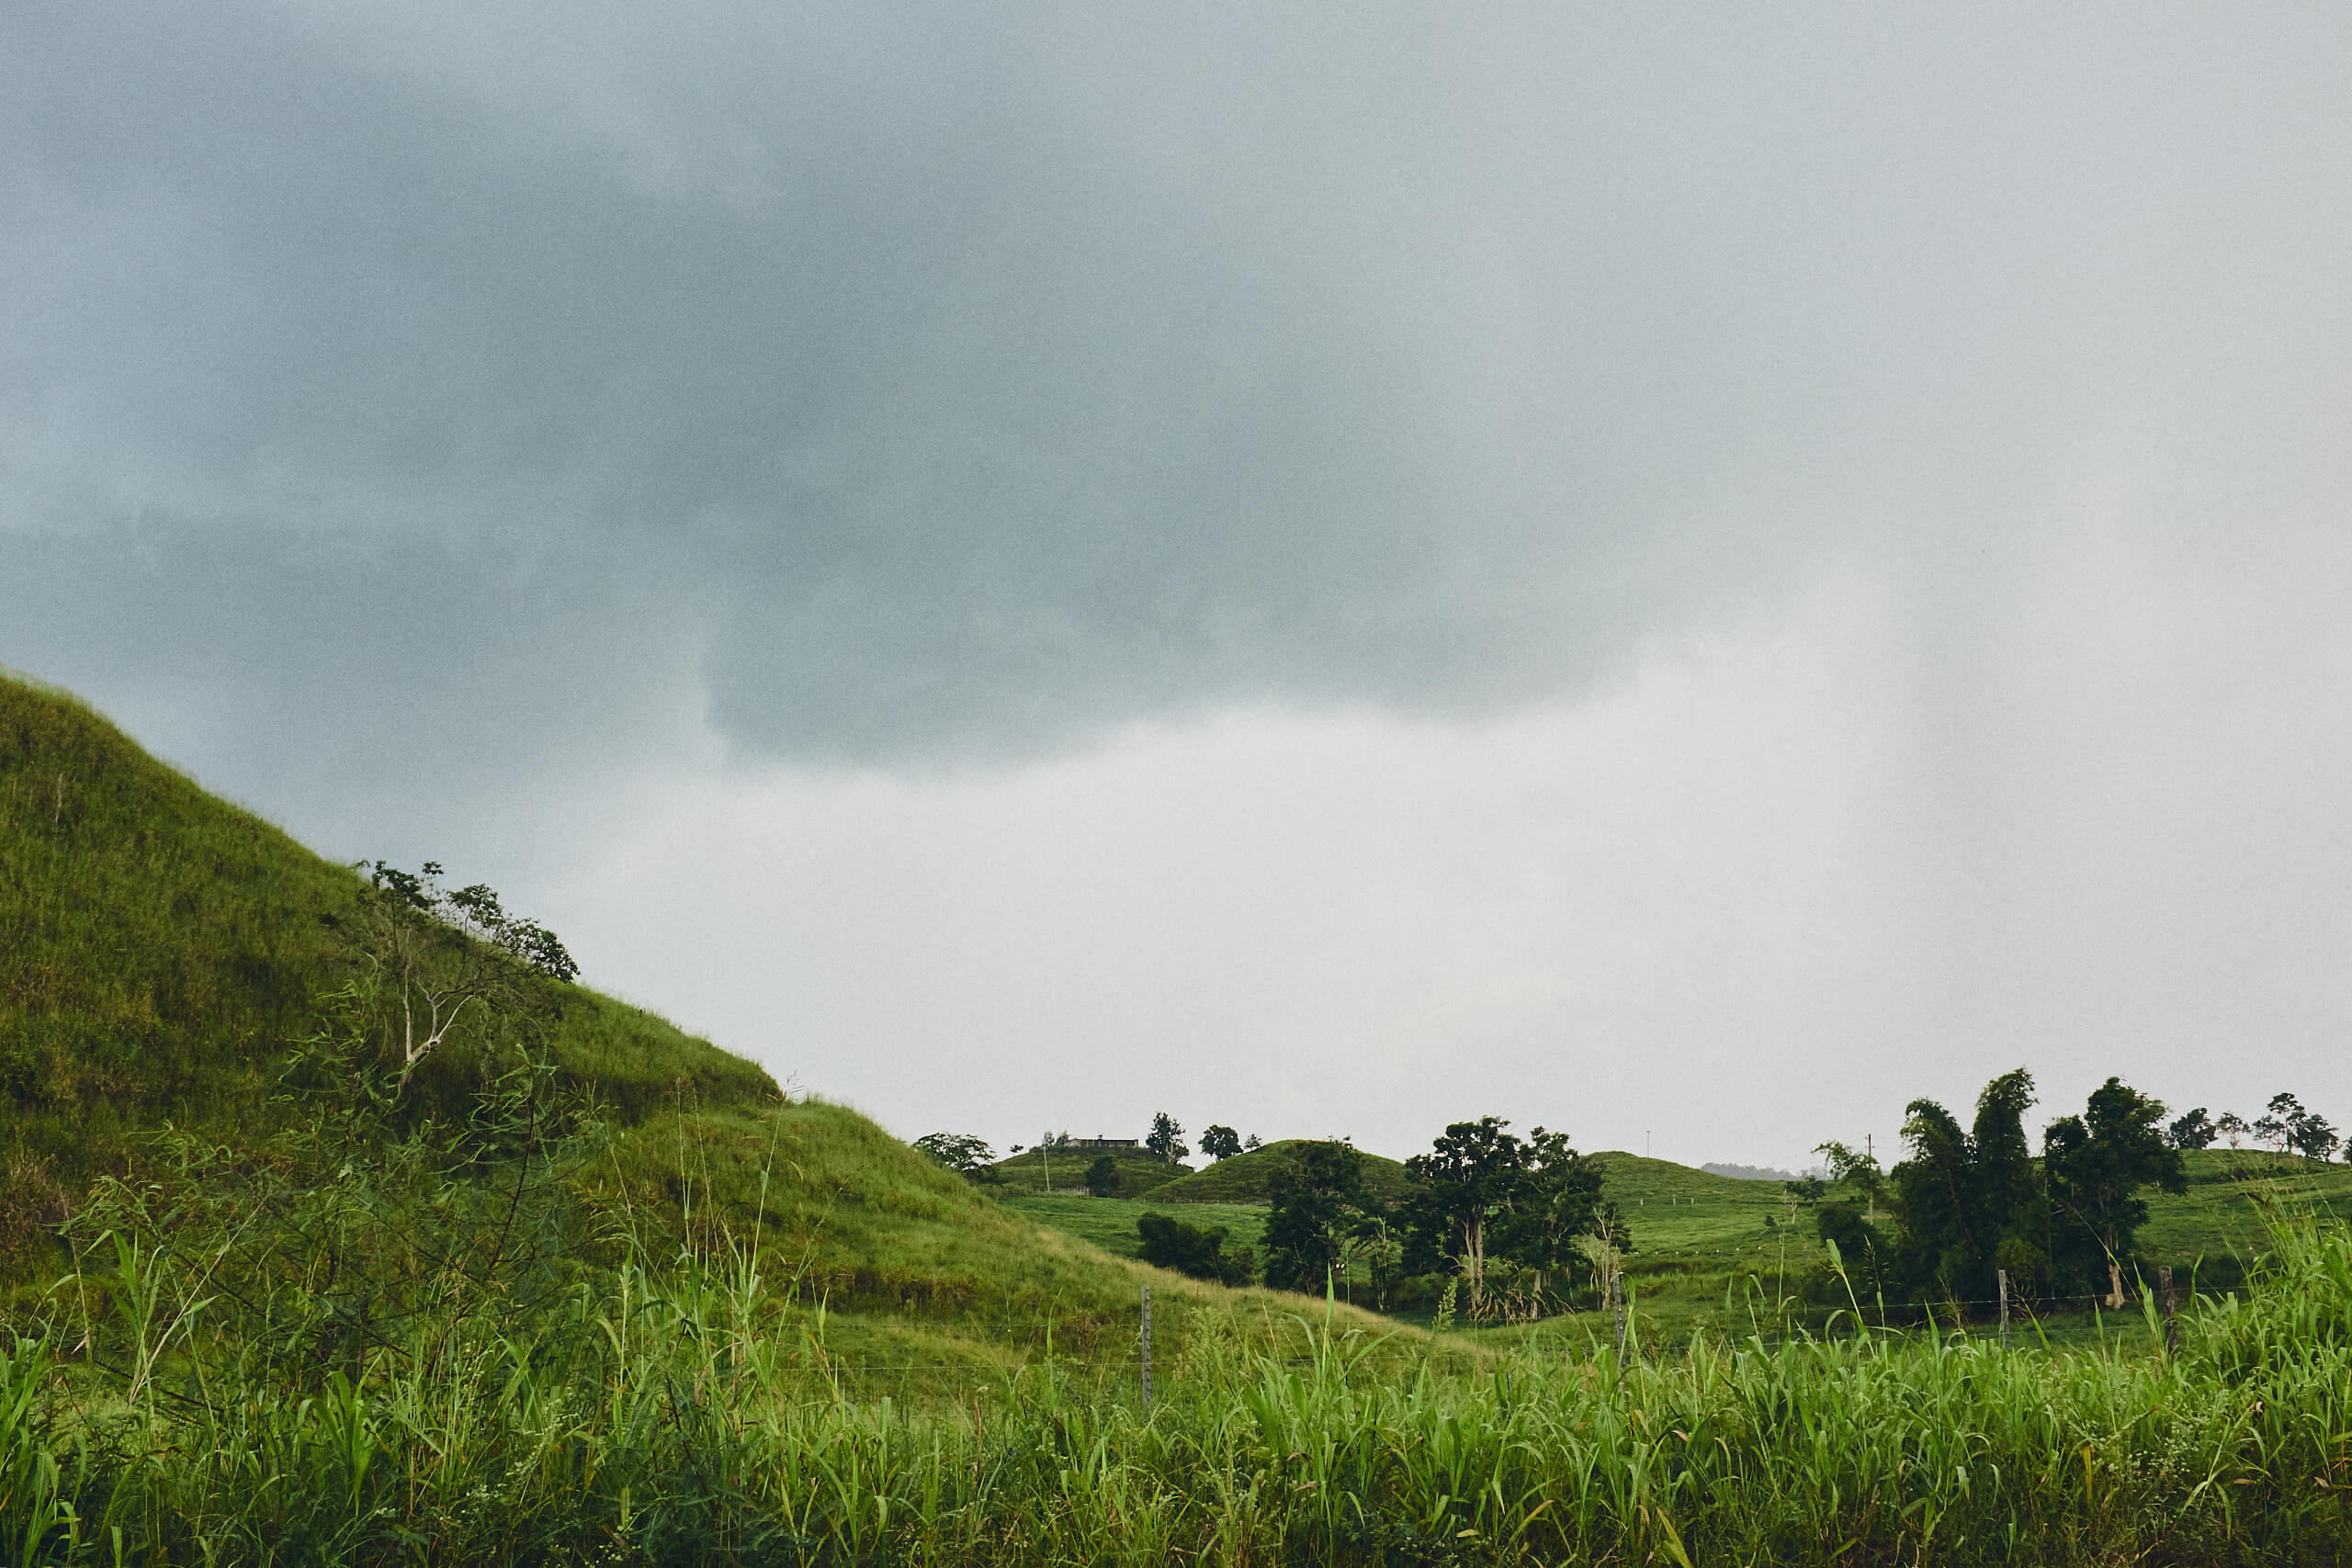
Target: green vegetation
{"type": "Point", "coordinates": [1110, 1222]}
{"type": "Point", "coordinates": [163, 953]}
{"type": "Point", "coordinates": [1137, 1170]}
{"type": "Point", "coordinates": [704, 1412]}
{"type": "Point", "coordinates": [1245, 1178]}
{"type": "Point", "coordinates": [160, 951]}
{"type": "Point", "coordinates": [567, 1285]}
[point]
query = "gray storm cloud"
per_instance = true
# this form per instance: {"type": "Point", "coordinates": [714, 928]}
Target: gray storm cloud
{"type": "Point", "coordinates": [906, 380]}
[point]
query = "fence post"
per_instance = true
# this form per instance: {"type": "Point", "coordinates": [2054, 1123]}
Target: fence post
{"type": "Point", "coordinates": [2163, 1305]}
{"type": "Point", "coordinates": [1617, 1294]}
{"type": "Point", "coordinates": [2003, 1276]}
{"type": "Point", "coordinates": [1147, 1346]}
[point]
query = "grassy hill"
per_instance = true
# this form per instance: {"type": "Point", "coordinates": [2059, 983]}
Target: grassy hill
{"type": "Point", "coordinates": [1242, 1178]}
{"type": "Point", "coordinates": [159, 949]}
{"type": "Point", "coordinates": [1140, 1171]}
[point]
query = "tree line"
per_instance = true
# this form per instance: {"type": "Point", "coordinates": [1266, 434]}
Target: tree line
{"type": "Point", "coordinates": [1514, 1227]}
{"type": "Point", "coordinates": [1967, 1205]}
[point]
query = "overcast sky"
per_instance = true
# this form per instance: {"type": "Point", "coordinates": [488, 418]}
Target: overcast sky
{"type": "Point", "coordinates": [1677, 572]}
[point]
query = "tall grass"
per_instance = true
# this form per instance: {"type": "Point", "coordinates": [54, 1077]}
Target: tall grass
{"type": "Point", "coordinates": [691, 1413]}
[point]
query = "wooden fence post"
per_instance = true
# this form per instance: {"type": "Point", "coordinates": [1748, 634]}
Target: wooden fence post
{"type": "Point", "coordinates": [1147, 1346]}
{"type": "Point", "coordinates": [2003, 1276]}
{"type": "Point", "coordinates": [1617, 1293]}
{"type": "Point", "coordinates": [2163, 1305]}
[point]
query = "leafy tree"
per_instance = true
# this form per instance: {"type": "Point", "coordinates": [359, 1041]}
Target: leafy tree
{"type": "Point", "coordinates": [964, 1153]}
{"type": "Point", "coordinates": [1320, 1201]}
{"type": "Point", "coordinates": [2233, 1127]}
{"type": "Point", "coordinates": [1220, 1142]}
{"type": "Point", "coordinates": [1196, 1250]}
{"type": "Point", "coordinates": [444, 956]}
{"type": "Point", "coordinates": [2313, 1135]}
{"type": "Point", "coordinates": [1470, 1180]}
{"type": "Point", "coordinates": [1969, 1202]}
{"type": "Point", "coordinates": [1102, 1177]}
{"type": "Point", "coordinates": [1843, 1216]}
{"type": "Point", "coordinates": [1557, 1205]}
{"type": "Point", "coordinates": [1851, 1167]}
{"type": "Point", "coordinates": [2097, 1163]}
{"type": "Point", "coordinates": [1253, 1142]}
{"type": "Point", "coordinates": [2193, 1130]}
{"type": "Point", "coordinates": [1166, 1138]}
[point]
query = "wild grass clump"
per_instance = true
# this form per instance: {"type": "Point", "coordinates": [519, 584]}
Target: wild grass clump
{"type": "Point", "coordinates": [394, 1342]}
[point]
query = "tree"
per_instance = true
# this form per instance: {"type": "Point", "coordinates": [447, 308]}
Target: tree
{"type": "Point", "coordinates": [1556, 1206]}
{"type": "Point", "coordinates": [1195, 1250]}
{"type": "Point", "coordinates": [1319, 1201]}
{"type": "Point", "coordinates": [1102, 1177]}
{"type": "Point", "coordinates": [1851, 1167]}
{"type": "Point", "coordinates": [1469, 1179]}
{"type": "Point", "coordinates": [1842, 1218]}
{"type": "Point", "coordinates": [964, 1153]}
{"type": "Point", "coordinates": [2097, 1163]}
{"type": "Point", "coordinates": [1220, 1142]}
{"type": "Point", "coordinates": [2233, 1127]}
{"type": "Point", "coordinates": [1253, 1142]}
{"type": "Point", "coordinates": [1166, 1138]}
{"type": "Point", "coordinates": [1969, 1203]}
{"type": "Point", "coordinates": [2193, 1130]}
{"type": "Point", "coordinates": [2313, 1135]}
{"type": "Point", "coordinates": [445, 956]}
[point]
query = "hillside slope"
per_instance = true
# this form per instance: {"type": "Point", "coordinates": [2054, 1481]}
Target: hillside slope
{"type": "Point", "coordinates": [159, 949]}
{"type": "Point", "coordinates": [1242, 1178]}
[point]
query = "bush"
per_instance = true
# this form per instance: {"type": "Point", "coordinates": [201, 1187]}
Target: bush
{"type": "Point", "coordinates": [1196, 1250]}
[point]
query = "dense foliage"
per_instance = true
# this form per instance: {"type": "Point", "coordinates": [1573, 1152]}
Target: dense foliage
{"type": "Point", "coordinates": [693, 1414]}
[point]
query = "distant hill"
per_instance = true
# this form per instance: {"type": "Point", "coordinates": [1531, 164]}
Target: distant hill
{"type": "Point", "coordinates": [1141, 1171]}
{"type": "Point", "coordinates": [1242, 1179]}
{"type": "Point", "coordinates": [1750, 1172]}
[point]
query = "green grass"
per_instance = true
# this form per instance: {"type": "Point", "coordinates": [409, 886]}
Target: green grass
{"type": "Point", "coordinates": [700, 1415]}
{"type": "Point", "coordinates": [159, 950]}
{"type": "Point", "coordinates": [1141, 1171]}
{"type": "Point", "coordinates": [1110, 1222]}
{"type": "Point", "coordinates": [1242, 1178]}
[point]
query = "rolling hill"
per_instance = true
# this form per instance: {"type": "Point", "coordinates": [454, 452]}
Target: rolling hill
{"type": "Point", "coordinates": [1242, 1178]}
{"type": "Point", "coordinates": [161, 950]}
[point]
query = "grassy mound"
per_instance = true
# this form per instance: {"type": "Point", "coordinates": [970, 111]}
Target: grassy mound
{"type": "Point", "coordinates": [1242, 1179]}
{"type": "Point", "coordinates": [160, 948]}
{"type": "Point", "coordinates": [1140, 1171]}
